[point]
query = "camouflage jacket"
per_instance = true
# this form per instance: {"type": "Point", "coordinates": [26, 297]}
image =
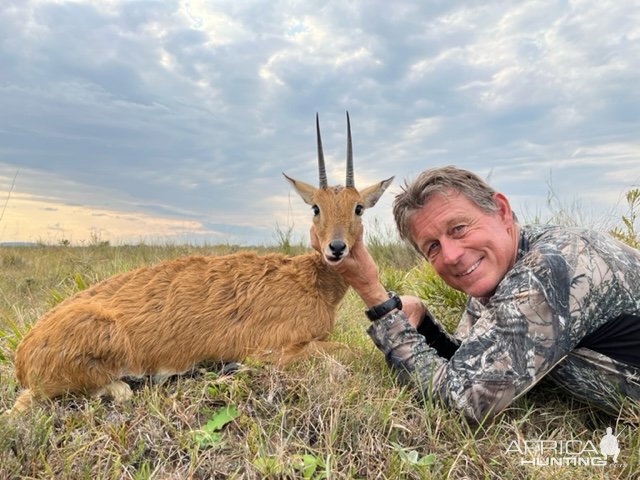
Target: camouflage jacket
{"type": "Point", "coordinates": [564, 285]}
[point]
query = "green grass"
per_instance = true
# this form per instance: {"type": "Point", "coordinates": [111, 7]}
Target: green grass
{"type": "Point", "coordinates": [340, 416]}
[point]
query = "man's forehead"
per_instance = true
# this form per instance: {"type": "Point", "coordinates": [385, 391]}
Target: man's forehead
{"type": "Point", "coordinates": [442, 209]}
{"type": "Point", "coordinates": [449, 196]}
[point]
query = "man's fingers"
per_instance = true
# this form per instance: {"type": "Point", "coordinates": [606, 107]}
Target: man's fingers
{"type": "Point", "coordinates": [313, 235]}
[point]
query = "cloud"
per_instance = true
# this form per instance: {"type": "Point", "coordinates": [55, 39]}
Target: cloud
{"type": "Point", "coordinates": [190, 110]}
{"type": "Point", "coordinates": [32, 219]}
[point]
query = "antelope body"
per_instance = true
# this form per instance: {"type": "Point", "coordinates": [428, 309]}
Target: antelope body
{"type": "Point", "coordinates": [164, 319]}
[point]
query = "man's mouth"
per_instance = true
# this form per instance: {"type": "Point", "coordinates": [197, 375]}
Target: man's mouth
{"type": "Point", "coordinates": [471, 269]}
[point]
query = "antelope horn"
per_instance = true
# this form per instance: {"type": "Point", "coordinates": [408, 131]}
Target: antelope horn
{"type": "Point", "coordinates": [349, 182]}
{"type": "Point", "coordinates": [321, 168]}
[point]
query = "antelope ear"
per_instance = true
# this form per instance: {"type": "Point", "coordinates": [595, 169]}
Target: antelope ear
{"type": "Point", "coordinates": [305, 190]}
{"type": "Point", "coordinates": [372, 194]}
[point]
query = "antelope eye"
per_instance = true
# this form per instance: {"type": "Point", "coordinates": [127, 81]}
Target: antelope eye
{"type": "Point", "coordinates": [316, 210]}
{"type": "Point", "coordinates": [359, 210]}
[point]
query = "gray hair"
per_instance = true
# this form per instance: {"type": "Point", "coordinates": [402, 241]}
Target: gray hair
{"type": "Point", "coordinates": [440, 181]}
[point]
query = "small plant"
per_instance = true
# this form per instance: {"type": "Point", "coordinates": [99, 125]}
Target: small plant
{"type": "Point", "coordinates": [55, 297]}
{"type": "Point", "coordinates": [629, 234]}
{"type": "Point", "coordinates": [308, 465]}
{"type": "Point", "coordinates": [79, 282]}
{"type": "Point", "coordinates": [11, 333]}
{"type": "Point", "coordinates": [283, 238]}
{"type": "Point", "coordinates": [143, 472]}
{"type": "Point", "coordinates": [268, 465]}
{"type": "Point", "coordinates": [95, 239]}
{"type": "Point", "coordinates": [210, 435]}
{"type": "Point", "coordinates": [412, 458]}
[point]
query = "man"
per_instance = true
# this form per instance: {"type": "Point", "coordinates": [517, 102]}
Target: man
{"type": "Point", "coordinates": [542, 301]}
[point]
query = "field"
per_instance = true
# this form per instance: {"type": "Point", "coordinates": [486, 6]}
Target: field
{"type": "Point", "coordinates": [339, 416]}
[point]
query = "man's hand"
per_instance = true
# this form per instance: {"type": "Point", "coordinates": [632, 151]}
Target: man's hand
{"type": "Point", "coordinates": [359, 270]}
{"type": "Point", "coordinates": [414, 309]}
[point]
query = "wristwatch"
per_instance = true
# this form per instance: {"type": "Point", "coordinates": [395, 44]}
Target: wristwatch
{"type": "Point", "coordinates": [378, 311]}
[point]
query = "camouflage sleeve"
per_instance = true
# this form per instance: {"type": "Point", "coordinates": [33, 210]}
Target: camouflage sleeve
{"type": "Point", "coordinates": [526, 329]}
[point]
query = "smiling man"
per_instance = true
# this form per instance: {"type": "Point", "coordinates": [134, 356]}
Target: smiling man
{"type": "Point", "coordinates": [542, 301]}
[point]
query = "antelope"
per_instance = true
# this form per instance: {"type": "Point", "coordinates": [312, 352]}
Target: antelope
{"type": "Point", "coordinates": [163, 320]}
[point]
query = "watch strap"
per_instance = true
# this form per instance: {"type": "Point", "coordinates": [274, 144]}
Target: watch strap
{"type": "Point", "coordinates": [378, 311]}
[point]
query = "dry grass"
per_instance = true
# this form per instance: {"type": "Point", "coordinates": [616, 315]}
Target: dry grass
{"type": "Point", "coordinates": [340, 416]}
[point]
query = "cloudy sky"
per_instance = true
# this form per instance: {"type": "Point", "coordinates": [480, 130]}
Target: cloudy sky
{"type": "Point", "coordinates": [172, 121]}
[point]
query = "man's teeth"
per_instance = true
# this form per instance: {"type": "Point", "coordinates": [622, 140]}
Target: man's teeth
{"type": "Point", "coordinates": [471, 268]}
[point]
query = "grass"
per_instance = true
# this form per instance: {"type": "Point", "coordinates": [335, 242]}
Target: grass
{"type": "Point", "coordinates": [341, 416]}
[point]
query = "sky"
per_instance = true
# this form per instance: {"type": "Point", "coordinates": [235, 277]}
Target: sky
{"type": "Point", "coordinates": [172, 121]}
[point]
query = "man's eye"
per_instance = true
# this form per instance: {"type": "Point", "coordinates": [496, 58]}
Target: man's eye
{"type": "Point", "coordinates": [316, 210]}
{"type": "Point", "coordinates": [431, 249]}
{"type": "Point", "coordinates": [459, 229]}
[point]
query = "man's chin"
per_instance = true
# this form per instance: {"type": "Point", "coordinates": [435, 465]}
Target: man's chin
{"type": "Point", "coordinates": [479, 291]}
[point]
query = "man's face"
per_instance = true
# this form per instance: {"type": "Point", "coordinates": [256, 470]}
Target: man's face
{"type": "Point", "coordinates": [470, 249]}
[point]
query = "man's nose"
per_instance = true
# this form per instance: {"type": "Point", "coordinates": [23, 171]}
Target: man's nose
{"type": "Point", "coordinates": [451, 251]}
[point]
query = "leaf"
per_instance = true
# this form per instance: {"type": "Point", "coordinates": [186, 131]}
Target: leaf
{"type": "Point", "coordinates": [80, 282]}
{"type": "Point", "coordinates": [427, 460]}
{"type": "Point", "coordinates": [209, 435]}
{"type": "Point", "coordinates": [310, 465]}
{"type": "Point", "coordinates": [412, 457]}
{"type": "Point", "coordinates": [223, 416]}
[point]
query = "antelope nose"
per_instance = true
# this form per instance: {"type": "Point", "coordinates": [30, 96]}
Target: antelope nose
{"type": "Point", "coordinates": [337, 248]}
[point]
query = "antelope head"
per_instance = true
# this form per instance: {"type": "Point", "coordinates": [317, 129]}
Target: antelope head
{"type": "Point", "coordinates": [337, 211]}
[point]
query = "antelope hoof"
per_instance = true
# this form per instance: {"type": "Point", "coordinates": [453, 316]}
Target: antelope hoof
{"type": "Point", "coordinates": [22, 404]}
{"type": "Point", "coordinates": [118, 391]}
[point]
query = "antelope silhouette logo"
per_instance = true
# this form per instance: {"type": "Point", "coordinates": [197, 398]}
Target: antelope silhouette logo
{"type": "Point", "coordinates": [609, 446]}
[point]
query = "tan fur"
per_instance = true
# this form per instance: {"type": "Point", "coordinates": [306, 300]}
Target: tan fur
{"type": "Point", "coordinates": [164, 319]}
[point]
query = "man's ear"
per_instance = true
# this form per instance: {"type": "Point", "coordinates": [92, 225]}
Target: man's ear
{"type": "Point", "coordinates": [504, 208]}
